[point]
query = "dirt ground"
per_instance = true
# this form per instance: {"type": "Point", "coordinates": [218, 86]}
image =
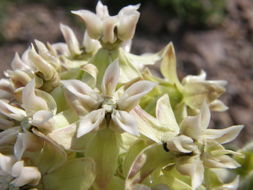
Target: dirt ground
{"type": "Point", "coordinates": [225, 52]}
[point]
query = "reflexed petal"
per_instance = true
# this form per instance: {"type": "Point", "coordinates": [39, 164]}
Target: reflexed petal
{"type": "Point", "coordinates": [86, 95]}
{"type": "Point", "coordinates": [41, 119]}
{"type": "Point", "coordinates": [169, 65]}
{"type": "Point", "coordinates": [25, 175]}
{"type": "Point", "coordinates": [64, 136]}
{"type": "Point", "coordinates": [11, 111]}
{"type": "Point", "coordinates": [130, 9]}
{"type": "Point", "coordinates": [70, 39]}
{"type": "Point", "coordinates": [197, 91]}
{"type": "Point", "coordinates": [42, 65]}
{"type": "Point", "coordinates": [26, 142]}
{"type": "Point", "coordinates": [17, 63]}
{"type": "Point", "coordinates": [151, 127]}
{"type": "Point", "coordinates": [102, 10]}
{"type": "Point", "coordinates": [125, 121]}
{"type": "Point", "coordinates": [20, 78]}
{"type": "Point", "coordinates": [6, 163]}
{"type": "Point", "coordinates": [93, 23]}
{"type": "Point", "coordinates": [90, 45]}
{"type": "Point", "coordinates": [233, 185]}
{"type": "Point", "coordinates": [191, 126]}
{"type": "Point", "coordinates": [111, 78]}
{"type": "Point", "coordinates": [223, 135]}
{"type": "Point", "coordinates": [165, 114]}
{"type": "Point", "coordinates": [193, 167]}
{"type": "Point", "coordinates": [31, 102]}
{"type": "Point", "coordinates": [5, 123]}
{"type": "Point", "coordinates": [6, 89]}
{"type": "Point", "coordinates": [218, 105]}
{"type": "Point", "coordinates": [181, 144]}
{"type": "Point", "coordinates": [127, 25]}
{"type": "Point", "coordinates": [134, 93]}
{"type": "Point", "coordinates": [42, 48]}
{"type": "Point", "coordinates": [61, 49]}
{"type": "Point", "coordinates": [8, 136]}
{"type": "Point", "coordinates": [205, 115]}
{"type": "Point", "coordinates": [90, 121]}
{"type": "Point", "coordinates": [222, 161]}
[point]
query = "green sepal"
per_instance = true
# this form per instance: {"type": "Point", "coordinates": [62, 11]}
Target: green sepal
{"type": "Point", "coordinates": [103, 148]}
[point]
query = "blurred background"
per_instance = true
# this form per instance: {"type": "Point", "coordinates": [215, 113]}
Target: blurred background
{"type": "Point", "coordinates": [213, 35]}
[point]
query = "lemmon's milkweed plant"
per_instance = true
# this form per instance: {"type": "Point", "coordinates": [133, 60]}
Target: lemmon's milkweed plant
{"type": "Point", "coordinates": [90, 115]}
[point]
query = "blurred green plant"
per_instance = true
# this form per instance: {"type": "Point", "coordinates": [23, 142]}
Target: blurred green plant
{"type": "Point", "coordinates": [196, 12]}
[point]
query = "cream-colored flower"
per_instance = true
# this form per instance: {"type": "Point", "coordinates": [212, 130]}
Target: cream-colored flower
{"type": "Point", "coordinates": [107, 105]}
{"type": "Point", "coordinates": [75, 48]}
{"type": "Point", "coordinates": [204, 145]}
{"type": "Point", "coordinates": [15, 174]}
{"type": "Point", "coordinates": [108, 28]}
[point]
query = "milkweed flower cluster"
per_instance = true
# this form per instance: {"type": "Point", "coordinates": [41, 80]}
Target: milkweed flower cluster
{"type": "Point", "coordinates": [91, 115]}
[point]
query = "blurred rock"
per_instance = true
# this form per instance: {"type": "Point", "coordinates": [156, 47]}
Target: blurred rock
{"type": "Point", "coordinates": [28, 22]}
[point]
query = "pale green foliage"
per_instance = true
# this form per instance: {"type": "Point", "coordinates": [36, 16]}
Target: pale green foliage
{"type": "Point", "coordinates": [92, 116]}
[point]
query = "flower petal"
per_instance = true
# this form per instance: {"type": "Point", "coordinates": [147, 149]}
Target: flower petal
{"type": "Point", "coordinates": [111, 78]}
{"type": "Point", "coordinates": [70, 39]}
{"type": "Point", "coordinates": [30, 101]}
{"type": "Point", "coordinates": [26, 141]}
{"type": "Point", "coordinates": [218, 105]}
{"type": "Point", "coordinates": [102, 10]}
{"type": "Point", "coordinates": [41, 119]}
{"type": "Point", "coordinates": [90, 121]}
{"type": "Point", "coordinates": [169, 65]}
{"type": "Point", "coordinates": [125, 121]}
{"type": "Point", "coordinates": [222, 161]}
{"type": "Point", "coordinates": [223, 135]}
{"type": "Point", "coordinates": [11, 111]}
{"type": "Point", "coordinates": [18, 63]}
{"type": "Point", "coordinates": [151, 127]}
{"type": "Point", "coordinates": [181, 143]}
{"type": "Point", "coordinates": [42, 65]}
{"type": "Point", "coordinates": [6, 163]}
{"type": "Point", "coordinates": [134, 93]}
{"type": "Point", "coordinates": [88, 98]}
{"type": "Point", "coordinates": [193, 167]}
{"type": "Point", "coordinates": [191, 127]}
{"type": "Point", "coordinates": [128, 18]}
{"type": "Point", "coordinates": [93, 23]}
{"type": "Point", "coordinates": [25, 175]}
{"type": "Point", "coordinates": [90, 45]}
{"type": "Point", "coordinates": [165, 114]}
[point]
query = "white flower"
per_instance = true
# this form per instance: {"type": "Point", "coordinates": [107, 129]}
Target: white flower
{"type": "Point", "coordinates": [108, 28]}
{"type": "Point", "coordinates": [14, 173]}
{"type": "Point", "coordinates": [96, 106]}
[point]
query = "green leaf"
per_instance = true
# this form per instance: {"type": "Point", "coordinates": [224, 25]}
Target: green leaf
{"type": "Point", "coordinates": [116, 183]}
{"type": "Point", "coordinates": [134, 150]}
{"type": "Point", "coordinates": [76, 174]}
{"type": "Point", "coordinates": [103, 148]}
